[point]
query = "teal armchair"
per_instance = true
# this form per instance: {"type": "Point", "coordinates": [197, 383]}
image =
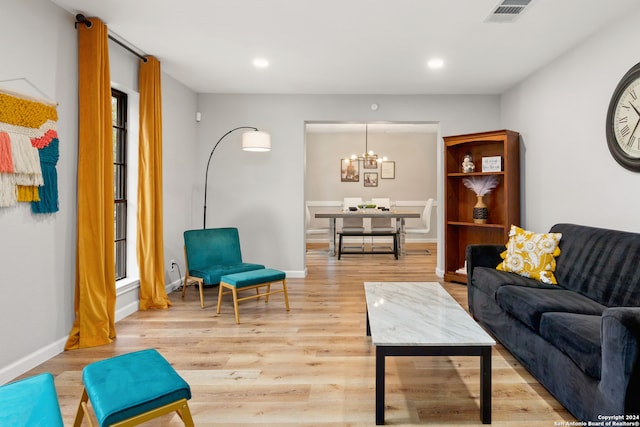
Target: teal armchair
{"type": "Point", "coordinates": [210, 254]}
{"type": "Point", "coordinates": [32, 401]}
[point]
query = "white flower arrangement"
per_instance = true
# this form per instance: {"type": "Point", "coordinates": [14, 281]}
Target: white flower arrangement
{"type": "Point", "coordinates": [481, 185]}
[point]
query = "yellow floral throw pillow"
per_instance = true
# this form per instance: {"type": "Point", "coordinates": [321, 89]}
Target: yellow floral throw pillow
{"type": "Point", "coordinates": [531, 255]}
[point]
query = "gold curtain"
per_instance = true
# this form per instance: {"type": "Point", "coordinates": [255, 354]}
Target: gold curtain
{"type": "Point", "coordinates": [150, 243]}
{"type": "Point", "coordinates": [95, 288]}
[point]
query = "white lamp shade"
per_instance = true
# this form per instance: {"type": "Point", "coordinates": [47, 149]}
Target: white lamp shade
{"type": "Point", "coordinates": [256, 141]}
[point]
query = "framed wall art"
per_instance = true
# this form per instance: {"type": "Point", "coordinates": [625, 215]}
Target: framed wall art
{"type": "Point", "coordinates": [349, 170]}
{"type": "Point", "coordinates": [371, 162]}
{"type": "Point", "coordinates": [371, 179]}
{"type": "Point", "coordinates": [388, 170]}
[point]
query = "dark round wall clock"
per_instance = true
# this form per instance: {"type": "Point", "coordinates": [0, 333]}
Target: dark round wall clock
{"type": "Point", "coordinates": [623, 121]}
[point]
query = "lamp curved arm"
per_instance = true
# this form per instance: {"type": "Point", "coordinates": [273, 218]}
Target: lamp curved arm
{"type": "Point", "coordinates": [206, 176]}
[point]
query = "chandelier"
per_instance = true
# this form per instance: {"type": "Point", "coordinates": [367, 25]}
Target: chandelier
{"type": "Point", "coordinates": [369, 156]}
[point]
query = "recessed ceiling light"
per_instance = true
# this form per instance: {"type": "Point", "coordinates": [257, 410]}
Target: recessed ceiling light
{"type": "Point", "coordinates": [260, 63]}
{"type": "Point", "coordinates": [435, 63]}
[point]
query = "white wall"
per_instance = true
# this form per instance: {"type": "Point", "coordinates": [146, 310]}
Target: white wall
{"type": "Point", "coordinates": [179, 144]}
{"type": "Point", "coordinates": [414, 155]}
{"type": "Point", "coordinates": [263, 194]}
{"type": "Point", "coordinates": [568, 174]}
{"type": "Point", "coordinates": [38, 251]}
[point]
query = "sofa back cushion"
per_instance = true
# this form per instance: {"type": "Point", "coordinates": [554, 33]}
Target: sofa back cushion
{"type": "Point", "coordinates": [599, 263]}
{"type": "Point", "coordinates": [528, 304]}
{"type": "Point", "coordinates": [212, 247]}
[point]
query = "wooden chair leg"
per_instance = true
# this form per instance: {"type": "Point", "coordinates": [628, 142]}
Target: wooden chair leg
{"type": "Point", "coordinates": [185, 415]}
{"type": "Point", "coordinates": [235, 304]}
{"type": "Point", "coordinates": [184, 285]}
{"type": "Point", "coordinates": [200, 285]}
{"type": "Point", "coordinates": [187, 277]}
{"type": "Point", "coordinates": [286, 294]}
{"type": "Point", "coordinates": [186, 272]}
{"type": "Point", "coordinates": [266, 299]}
{"type": "Point", "coordinates": [220, 293]}
{"type": "Point", "coordinates": [83, 410]}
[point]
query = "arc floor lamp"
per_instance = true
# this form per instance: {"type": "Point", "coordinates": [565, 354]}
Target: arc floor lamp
{"type": "Point", "coordinates": [255, 140]}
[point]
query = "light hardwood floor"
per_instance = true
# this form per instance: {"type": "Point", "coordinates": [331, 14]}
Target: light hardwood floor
{"type": "Point", "coordinates": [313, 365]}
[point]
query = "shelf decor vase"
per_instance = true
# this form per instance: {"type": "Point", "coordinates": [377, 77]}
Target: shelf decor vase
{"type": "Point", "coordinates": [480, 211]}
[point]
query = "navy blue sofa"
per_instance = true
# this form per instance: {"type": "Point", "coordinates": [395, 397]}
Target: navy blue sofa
{"type": "Point", "coordinates": [581, 338]}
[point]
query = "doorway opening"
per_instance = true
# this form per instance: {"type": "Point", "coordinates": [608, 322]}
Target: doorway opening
{"type": "Point", "coordinates": [408, 176]}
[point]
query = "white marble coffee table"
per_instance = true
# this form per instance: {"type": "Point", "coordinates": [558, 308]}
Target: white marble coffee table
{"type": "Point", "coordinates": [422, 319]}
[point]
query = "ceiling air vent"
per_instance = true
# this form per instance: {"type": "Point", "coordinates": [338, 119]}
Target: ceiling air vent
{"type": "Point", "coordinates": [508, 10]}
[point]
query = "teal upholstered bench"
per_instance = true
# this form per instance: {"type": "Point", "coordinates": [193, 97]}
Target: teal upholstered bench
{"type": "Point", "coordinates": [133, 388]}
{"type": "Point", "coordinates": [210, 254]}
{"type": "Point", "coordinates": [30, 402]}
{"type": "Point", "coordinates": [252, 280]}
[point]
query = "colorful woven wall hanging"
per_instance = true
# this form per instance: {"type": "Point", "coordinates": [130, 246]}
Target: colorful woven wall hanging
{"type": "Point", "coordinates": [28, 153]}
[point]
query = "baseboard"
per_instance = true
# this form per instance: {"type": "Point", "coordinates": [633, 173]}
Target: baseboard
{"type": "Point", "coordinates": [32, 360]}
{"type": "Point", "coordinates": [420, 240]}
{"type": "Point", "coordinates": [174, 285]}
{"type": "Point", "coordinates": [40, 356]}
{"type": "Point", "coordinates": [296, 274]}
{"type": "Point", "coordinates": [127, 310]}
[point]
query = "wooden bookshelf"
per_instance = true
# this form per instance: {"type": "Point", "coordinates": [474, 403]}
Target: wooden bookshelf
{"type": "Point", "coordinates": [503, 202]}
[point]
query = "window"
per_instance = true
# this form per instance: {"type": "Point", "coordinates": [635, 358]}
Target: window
{"type": "Point", "coordinates": [119, 123]}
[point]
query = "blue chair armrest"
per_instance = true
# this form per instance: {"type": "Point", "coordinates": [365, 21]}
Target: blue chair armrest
{"type": "Point", "coordinates": [620, 384]}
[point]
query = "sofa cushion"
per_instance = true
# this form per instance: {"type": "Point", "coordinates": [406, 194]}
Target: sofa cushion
{"type": "Point", "coordinates": [528, 304]}
{"type": "Point", "coordinates": [577, 336]}
{"type": "Point", "coordinates": [488, 280]}
{"type": "Point", "coordinates": [531, 254]}
{"type": "Point", "coordinates": [600, 263]}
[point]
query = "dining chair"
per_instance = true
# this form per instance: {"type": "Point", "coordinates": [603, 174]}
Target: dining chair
{"type": "Point", "coordinates": [309, 232]}
{"type": "Point", "coordinates": [381, 225]}
{"type": "Point", "coordinates": [312, 231]}
{"type": "Point", "coordinates": [353, 225]}
{"type": "Point", "coordinates": [425, 218]}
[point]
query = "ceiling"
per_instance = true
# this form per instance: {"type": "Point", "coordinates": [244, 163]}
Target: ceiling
{"type": "Point", "coordinates": [371, 128]}
{"type": "Point", "coordinates": [351, 46]}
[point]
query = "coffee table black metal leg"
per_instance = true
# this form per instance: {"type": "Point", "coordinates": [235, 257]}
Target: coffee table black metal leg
{"type": "Point", "coordinates": [485, 385]}
{"type": "Point", "coordinates": [368, 325]}
{"type": "Point", "coordinates": [380, 356]}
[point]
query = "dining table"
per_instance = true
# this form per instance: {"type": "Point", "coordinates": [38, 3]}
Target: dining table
{"type": "Point", "coordinates": [399, 216]}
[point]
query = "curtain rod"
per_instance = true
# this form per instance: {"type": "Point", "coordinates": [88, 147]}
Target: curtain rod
{"type": "Point", "coordinates": [81, 19]}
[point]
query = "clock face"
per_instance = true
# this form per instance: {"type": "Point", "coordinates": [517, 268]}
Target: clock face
{"type": "Point", "coordinates": [626, 119]}
{"type": "Point", "coordinates": [623, 121]}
